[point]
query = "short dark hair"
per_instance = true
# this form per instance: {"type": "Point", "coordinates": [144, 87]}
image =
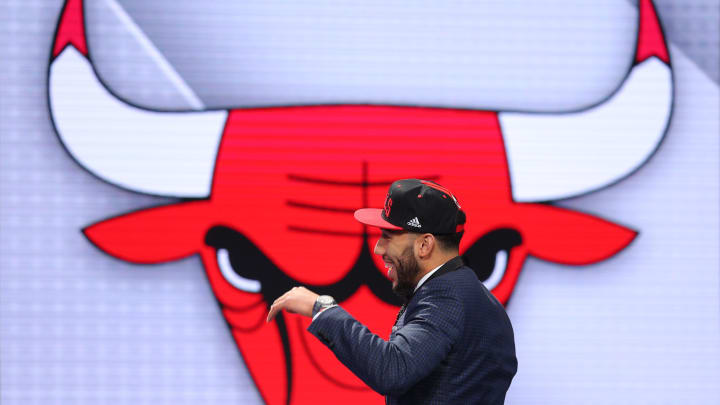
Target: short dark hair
{"type": "Point", "coordinates": [451, 241]}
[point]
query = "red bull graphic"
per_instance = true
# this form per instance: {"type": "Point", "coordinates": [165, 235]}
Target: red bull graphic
{"type": "Point", "coordinates": [269, 195]}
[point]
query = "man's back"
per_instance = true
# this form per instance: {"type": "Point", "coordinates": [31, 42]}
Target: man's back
{"type": "Point", "coordinates": [481, 362]}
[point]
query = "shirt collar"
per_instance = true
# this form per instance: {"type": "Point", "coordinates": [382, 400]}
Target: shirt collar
{"type": "Point", "coordinates": [426, 276]}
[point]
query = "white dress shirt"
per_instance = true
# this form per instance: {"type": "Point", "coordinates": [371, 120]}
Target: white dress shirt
{"type": "Point", "coordinates": [427, 276]}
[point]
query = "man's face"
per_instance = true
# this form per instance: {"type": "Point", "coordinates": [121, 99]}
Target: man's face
{"type": "Point", "coordinates": [396, 249]}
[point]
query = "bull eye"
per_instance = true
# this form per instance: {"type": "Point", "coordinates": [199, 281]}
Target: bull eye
{"type": "Point", "coordinates": [490, 255]}
{"type": "Point", "coordinates": [226, 240]}
{"type": "Point", "coordinates": [232, 277]}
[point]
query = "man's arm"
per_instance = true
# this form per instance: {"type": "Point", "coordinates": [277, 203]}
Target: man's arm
{"type": "Point", "coordinates": [394, 366]}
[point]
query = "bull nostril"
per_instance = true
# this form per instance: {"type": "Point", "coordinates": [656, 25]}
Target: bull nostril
{"type": "Point", "coordinates": [237, 281]}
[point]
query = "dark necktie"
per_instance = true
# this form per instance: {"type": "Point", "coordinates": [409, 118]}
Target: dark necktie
{"type": "Point", "coordinates": [400, 313]}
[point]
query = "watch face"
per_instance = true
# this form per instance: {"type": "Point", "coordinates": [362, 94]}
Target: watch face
{"type": "Point", "coordinates": [325, 300]}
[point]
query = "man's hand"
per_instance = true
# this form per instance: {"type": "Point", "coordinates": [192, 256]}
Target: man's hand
{"type": "Point", "coordinates": [299, 300]}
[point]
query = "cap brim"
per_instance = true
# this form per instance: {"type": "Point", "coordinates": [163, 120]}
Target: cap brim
{"type": "Point", "coordinates": [373, 217]}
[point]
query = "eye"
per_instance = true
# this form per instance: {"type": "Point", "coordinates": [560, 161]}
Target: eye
{"type": "Point", "coordinates": [232, 277]}
{"type": "Point", "coordinates": [498, 271]}
{"type": "Point", "coordinates": [490, 255]}
{"type": "Point", "coordinates": [224, 240]}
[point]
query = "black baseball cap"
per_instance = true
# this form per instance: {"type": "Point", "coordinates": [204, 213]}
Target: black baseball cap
{"type": "Point", "coordinates": [415, 205]}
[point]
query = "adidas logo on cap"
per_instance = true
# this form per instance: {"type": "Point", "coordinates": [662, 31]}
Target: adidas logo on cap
{"type": "Point", "coordinates": [415, 222]}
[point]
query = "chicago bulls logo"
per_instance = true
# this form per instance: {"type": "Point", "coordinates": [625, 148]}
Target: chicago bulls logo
{"type": "Point", "coordinates": [302, 231]}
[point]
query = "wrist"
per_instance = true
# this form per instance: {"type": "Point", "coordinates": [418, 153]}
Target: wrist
{"type": "Point", "coordinates": [322, 303]}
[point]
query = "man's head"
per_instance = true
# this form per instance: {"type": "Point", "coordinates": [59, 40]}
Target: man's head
{"type": "Point", "coordinates": [421, 224]}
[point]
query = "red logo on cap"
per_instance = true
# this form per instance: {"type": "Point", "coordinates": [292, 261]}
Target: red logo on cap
{"type": "Point", "coordinates": [388, 206]}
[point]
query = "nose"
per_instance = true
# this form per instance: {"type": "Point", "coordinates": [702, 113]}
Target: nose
{"type": "Point", "coordinates": [379, 247]}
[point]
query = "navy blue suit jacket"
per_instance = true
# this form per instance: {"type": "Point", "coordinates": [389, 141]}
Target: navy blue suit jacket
{"type": "Point", "coordinates": [452, 345]}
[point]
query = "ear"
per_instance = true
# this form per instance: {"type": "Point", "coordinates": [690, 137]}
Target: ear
{"type": "Point", "coordinates": [425, 244]}
{"type": "Point", "coordinates": [570, 237]}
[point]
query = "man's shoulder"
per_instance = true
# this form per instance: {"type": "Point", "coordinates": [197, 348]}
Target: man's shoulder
{"type": "Point", "coordinates": [461, 285]}
{"type": "Point", "coordinates": [453, 283]}
{"type": "Point", "coordinates": [463, 274]}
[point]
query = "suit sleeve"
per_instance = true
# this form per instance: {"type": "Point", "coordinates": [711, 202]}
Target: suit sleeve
{"type": "Point", "coordinates": [392, 367]}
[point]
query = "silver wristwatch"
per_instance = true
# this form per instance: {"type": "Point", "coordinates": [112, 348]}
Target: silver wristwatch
{"type": "Point", "coordinates": [323, 302]}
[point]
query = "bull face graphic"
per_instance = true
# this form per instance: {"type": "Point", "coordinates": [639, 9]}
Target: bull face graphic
{"type": "Point", "coordinates": [269, 194]}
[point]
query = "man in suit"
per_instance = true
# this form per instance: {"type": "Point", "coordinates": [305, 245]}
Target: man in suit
{"type": "Point", "coordinates": [452, 342]}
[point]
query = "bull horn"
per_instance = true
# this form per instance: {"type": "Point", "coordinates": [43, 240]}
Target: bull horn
{"type": "Point", "coordinates": [557, 156]}
{"type": "Point", "coordinates": [121, 144]}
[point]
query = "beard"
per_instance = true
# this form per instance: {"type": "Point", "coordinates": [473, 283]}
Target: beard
{"type": "Point", "coordinates": [407, 269]}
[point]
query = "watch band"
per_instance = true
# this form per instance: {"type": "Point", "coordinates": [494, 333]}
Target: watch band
{"type": "Point", "coordinates": [323, 302]}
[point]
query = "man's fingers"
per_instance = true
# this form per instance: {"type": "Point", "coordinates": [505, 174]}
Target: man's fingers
{"type": "Point", "coordinates": [275, 308]}
{"type": "Point", "coordinates": [279, 304]}
{"type": "Point", "coordinates": [273, 311]}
